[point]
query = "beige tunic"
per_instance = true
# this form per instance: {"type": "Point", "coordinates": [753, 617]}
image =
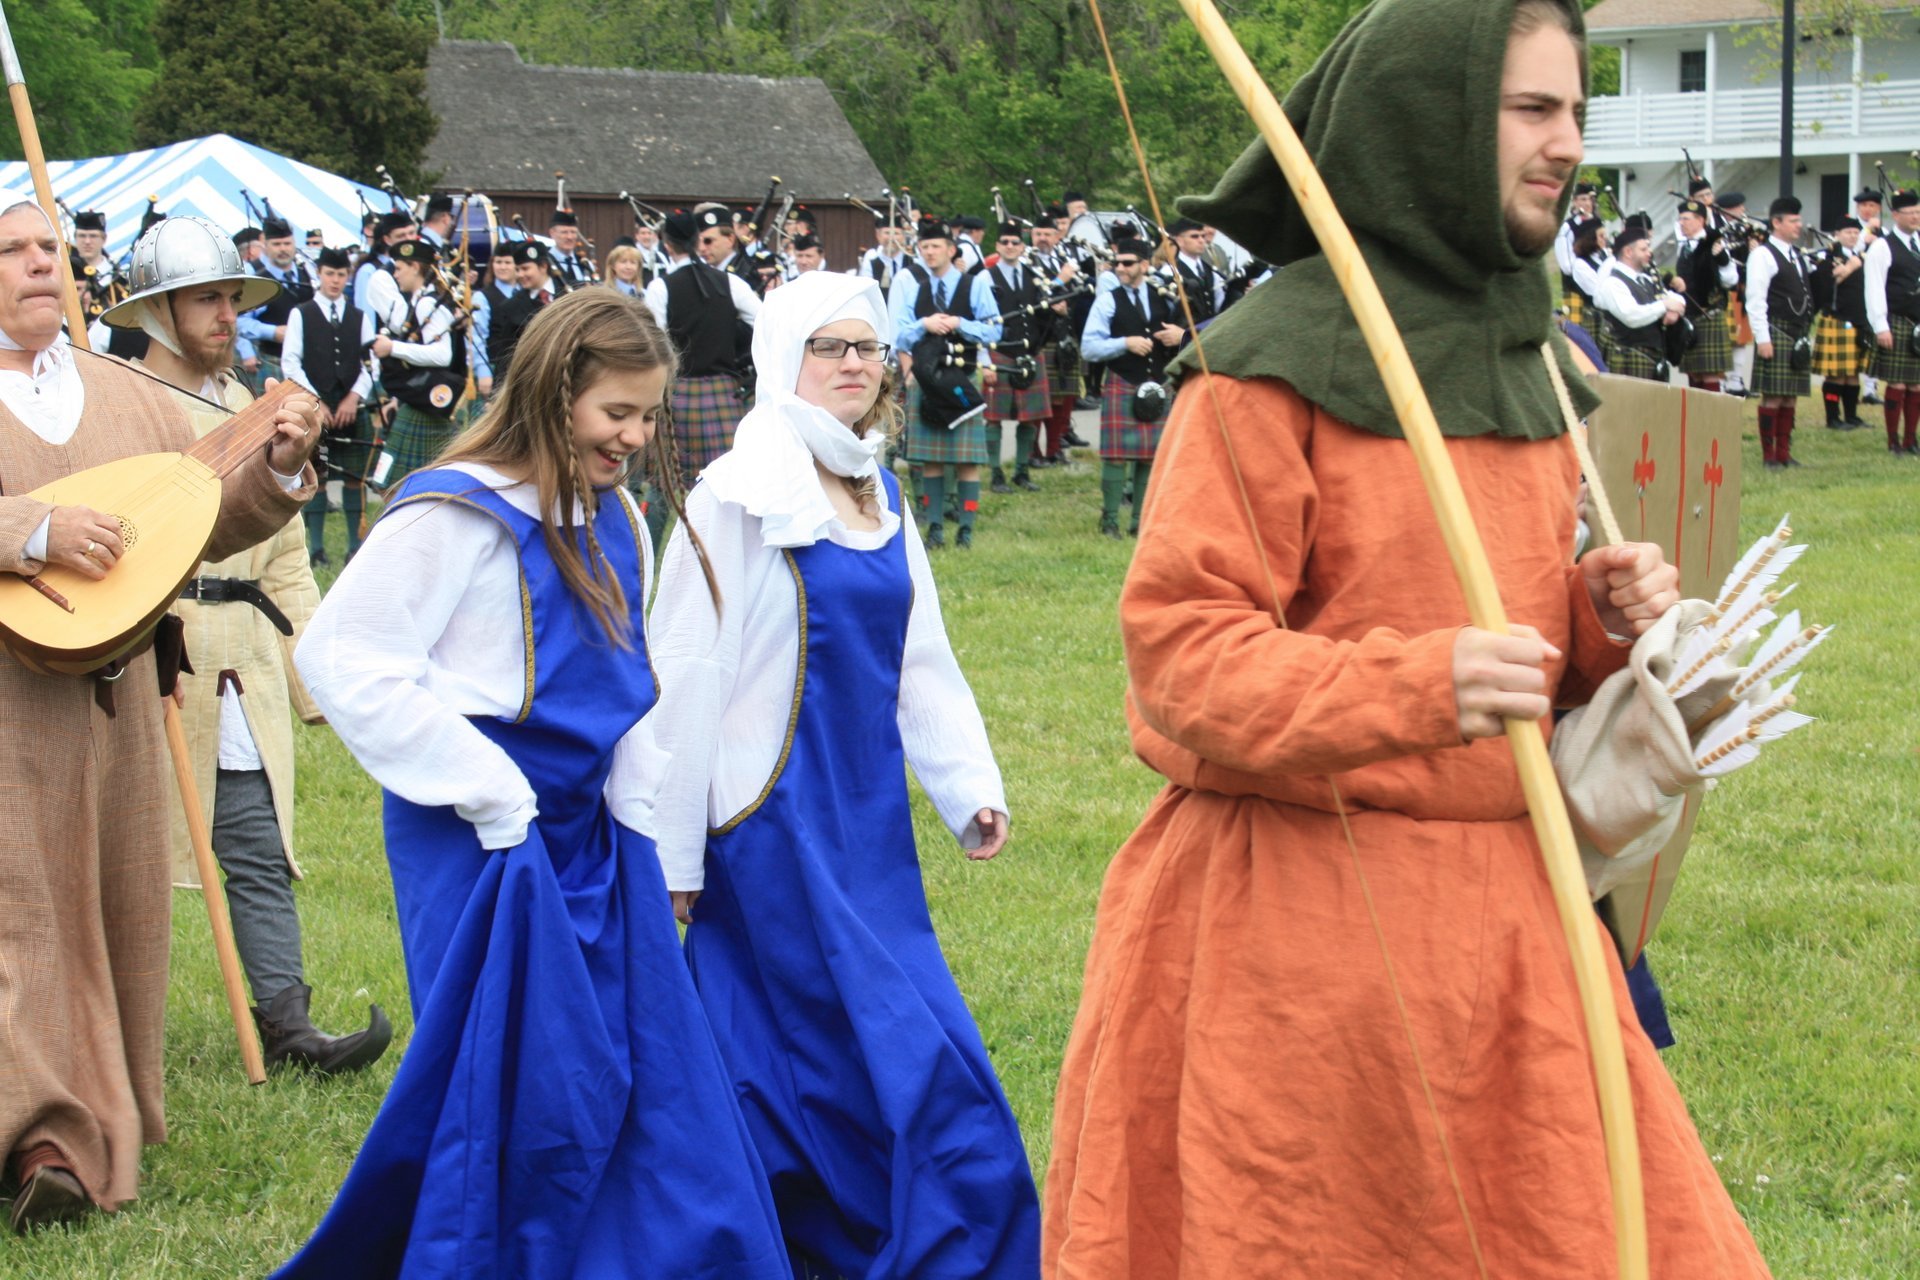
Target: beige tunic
{"type": "Point", "coordinates": [238, 637]}
{"type": "Point", "coordinates": [83, 860]}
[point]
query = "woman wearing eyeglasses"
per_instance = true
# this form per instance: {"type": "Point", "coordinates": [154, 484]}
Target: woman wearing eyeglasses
{"type": "Point", "coordinates": [790, 712]}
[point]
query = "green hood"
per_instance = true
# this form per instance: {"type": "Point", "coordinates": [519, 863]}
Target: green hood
{"type": "Point", "coordinates": [1400, 115]}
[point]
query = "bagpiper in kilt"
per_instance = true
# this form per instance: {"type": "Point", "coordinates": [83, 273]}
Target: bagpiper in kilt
{"type": "Point", "coordinates": [1066, 374]}
{"type": "Point", "coordinates": [707, 409]}
{"type": "Point", "coordinates": [1638, 311]}
{"type": "Point", "coordinates": [1840, 299]}
{"type": "Point", "coordinates": [1780, 308]}
{"type": "Point", "coordinates": [1133, 330]}
{"type": "Point", "coordinates": [1017, 290]}
{"type": "Point", "coordinates": [326, 345]}
{"type": "Point", "coordinates": [265, 326]}
{"type": "Point", "coordinates": [1573, 299]}
{"type": "Point", "coordinates": [1893, 311]}
{"type": "Point", "coordinates": [1706, 268]}
{"type": "Point", "coordinates": [939, 312]}
{"type": "Point", "coordinates": [423, 366]}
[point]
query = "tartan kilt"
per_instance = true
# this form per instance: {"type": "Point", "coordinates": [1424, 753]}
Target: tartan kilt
{"type": "Point", "coordinates": [1123, 437]}
{"type": "Point", "coordinates": [1005, 404]}
{"type": "Point", "coordinates": [1837, 352]}
{"type": "Point", "coordinates": [1575, 306]}
{"type": "Point", "coordinates": [1631, 362]}
{"type": "Point", "coordinates": [1069, 383]}
{"type": "Point", "coordinates": [350, 449]}
{"type": "Point", "coordinates": [269, 368]}
{"type": "Point", "coordinates": [416, 439]}
{"type": "Point", "coordinates": [1898, 367]}
{"type": "Point", "coordinates": [1712, 352]}
{"type": "Point", "coordinates": [958, 446]}
{"type": "Point", "coordinates": [706, 413]}
{"type": "Point", "coordinates": [1776, 377]}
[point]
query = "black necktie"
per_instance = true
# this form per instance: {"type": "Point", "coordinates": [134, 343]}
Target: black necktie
{"type": "Point", "coordinates": [940, 295]}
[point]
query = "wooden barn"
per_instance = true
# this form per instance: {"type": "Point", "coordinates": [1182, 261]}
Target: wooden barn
{"type": "Point", "coordinates": [671, 138]}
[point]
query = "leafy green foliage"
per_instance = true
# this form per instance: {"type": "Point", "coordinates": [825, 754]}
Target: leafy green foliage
{"type": "Point", "coordinates": [86, 63]}
{"type": "Point", "coordinates": [337, 83]}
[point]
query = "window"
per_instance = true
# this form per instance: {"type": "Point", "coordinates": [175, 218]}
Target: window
{"type": "Point", "coordinates": [1693, 71]}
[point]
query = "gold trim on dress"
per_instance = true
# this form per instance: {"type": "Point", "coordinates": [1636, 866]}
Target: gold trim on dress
{"type": "Point", "coordinates": [793, 716]}
{"type": "Point", "coordinates": [639, 603]}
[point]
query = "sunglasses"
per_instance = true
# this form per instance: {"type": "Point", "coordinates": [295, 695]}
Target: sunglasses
{"type": "Point", "coordinates": [1126, 262]}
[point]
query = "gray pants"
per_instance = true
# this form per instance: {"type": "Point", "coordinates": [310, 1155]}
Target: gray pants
{"type": "Point", "coordinates": [246, 840]}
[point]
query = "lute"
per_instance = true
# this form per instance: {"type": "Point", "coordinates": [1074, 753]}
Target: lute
{"type": "Point", "coordinates": [60, 622]}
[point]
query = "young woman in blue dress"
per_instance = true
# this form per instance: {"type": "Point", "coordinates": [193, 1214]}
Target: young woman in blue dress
{"type": "Point", "coordinates": [790, 715]}
{"type": "Point", "coordinates": [562, 1109]}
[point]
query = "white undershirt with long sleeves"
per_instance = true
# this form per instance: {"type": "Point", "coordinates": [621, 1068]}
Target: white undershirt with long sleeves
{"type": "Point", "coordinates": [421, 632]}
{"type": "Point", "coordinates": [1616, 299]}
{"type": "Point", "coordinates": [293, 352]}
{"type": "Point", "coordinates": [746, 303]}
{"type": "Point", "coordinates": [1761, 268]}
{"type": "Point", "coordinates": [727, 684]}
{"type": "Point", "coordinates": [1879, 263]}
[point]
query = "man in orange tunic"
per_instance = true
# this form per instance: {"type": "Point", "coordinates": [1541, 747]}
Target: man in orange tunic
{"type": "Point", "coordinates": [1240, 1096]}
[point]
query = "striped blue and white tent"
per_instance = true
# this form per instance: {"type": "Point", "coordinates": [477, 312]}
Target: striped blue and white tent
{"type": "Point", "coordinates": [205, 177]}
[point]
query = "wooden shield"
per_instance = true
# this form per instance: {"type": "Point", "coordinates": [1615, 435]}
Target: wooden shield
{"type": "Point", "coordinates": [1670, 463]}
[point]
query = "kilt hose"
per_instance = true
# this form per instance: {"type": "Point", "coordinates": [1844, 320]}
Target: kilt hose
{"type": "Point", "coordinates": [1123, 437]}
{"type": "Point", "coordinates": [1777, 377]}
{"type": "Point", "coordinates": [1898, 366]}
{"type": "Point", "coordinates": [1632, 362]}
{"type": "Point", "coordinates": [416, 439]}
{"type": "Point", "coordinates": [963, 445]}
{"type": "Point", "coordinates": [1064, 379]}
{"type": "Point", "coordinates": [1006, 404]}
{"type": "Point", "coordinates": [1712, 353]}
{"type": "Point", "coordinates": [706, 412]}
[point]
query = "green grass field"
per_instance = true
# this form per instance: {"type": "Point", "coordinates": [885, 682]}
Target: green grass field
{"type": "Point", "coordinates": [1789, 957]}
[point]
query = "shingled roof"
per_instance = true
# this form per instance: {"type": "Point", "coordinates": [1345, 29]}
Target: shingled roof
{"type": "Point", "coordinates": [506, 125]}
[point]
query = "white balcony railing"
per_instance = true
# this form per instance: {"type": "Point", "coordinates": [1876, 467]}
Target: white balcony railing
{"type": "Point", "coordinates": [1753, 115]}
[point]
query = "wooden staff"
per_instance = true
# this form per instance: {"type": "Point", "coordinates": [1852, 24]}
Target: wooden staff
{"type": "Point", "coordinates": [1552, 827]}
{"type": "Point", "coordinates": [210, 882]}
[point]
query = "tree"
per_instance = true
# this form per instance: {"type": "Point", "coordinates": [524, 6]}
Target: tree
{"type": "Point", "coordinates": [84, 84]}
{"type": "Point", "coordinates": [336, 83]}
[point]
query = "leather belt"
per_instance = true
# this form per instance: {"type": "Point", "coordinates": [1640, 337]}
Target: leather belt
{"type": "Point", "coordinates": [236, 591]}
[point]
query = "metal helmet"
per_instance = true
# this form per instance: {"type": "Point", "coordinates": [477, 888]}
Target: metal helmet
{"type": "Point", "coordinates": [180, 253]}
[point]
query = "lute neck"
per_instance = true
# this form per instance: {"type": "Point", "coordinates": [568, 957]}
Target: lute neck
{"type": "Point", "coordinates": [244, 434]}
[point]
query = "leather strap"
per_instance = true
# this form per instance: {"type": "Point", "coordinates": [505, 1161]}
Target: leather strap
{"type": "Point", "coordinates": [240, 591]}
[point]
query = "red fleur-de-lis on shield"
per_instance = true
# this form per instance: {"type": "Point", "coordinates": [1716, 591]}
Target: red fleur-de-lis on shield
{"type": "Point", "coordinates": [1644, 467]}
{"type": "Point", "coordinates": [1713, 473]}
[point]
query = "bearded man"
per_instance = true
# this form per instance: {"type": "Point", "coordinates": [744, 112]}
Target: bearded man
{"type": "Point", "coordinates": [84, 871]}
{"type": "Point", "coordinates": [1240, 1095]}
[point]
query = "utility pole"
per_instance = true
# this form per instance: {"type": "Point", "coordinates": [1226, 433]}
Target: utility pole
{"type": "Point", "coordinates": [1789, 46]}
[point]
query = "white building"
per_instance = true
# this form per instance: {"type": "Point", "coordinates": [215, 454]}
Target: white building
{"type": "Point", "coordinates": [1692, 76]}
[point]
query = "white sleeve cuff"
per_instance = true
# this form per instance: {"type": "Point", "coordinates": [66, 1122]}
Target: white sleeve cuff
{"type": "Point", "coordinates": [36, 548]}
{"type": "Point", "coordinates": [506, 831]}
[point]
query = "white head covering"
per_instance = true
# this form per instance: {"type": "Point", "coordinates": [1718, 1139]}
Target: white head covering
{"type": "Point", "coordinates": [769, 470]}
{"type": "Point", "coordinates": [55, 353]}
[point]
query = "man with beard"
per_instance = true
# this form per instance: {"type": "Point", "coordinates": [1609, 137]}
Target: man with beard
{"type": "Point", "coordinates": [1636, 309]}
{"type": "Point", "coordinates": [242, 617]}
{"type": "Point", "coordinates": [83, 867]}
{"type": "Point", "coordinates": [266, 326]}
{"type": "Point", "coordinates": [1237, 1097]}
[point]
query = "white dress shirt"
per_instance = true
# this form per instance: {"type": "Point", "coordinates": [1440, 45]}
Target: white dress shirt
{"type": "Point", "coordinates": [293, 362]}
{"type": "Point", "coordinates": [409, 643]}
{"type": "Point", "coordinates": [746, 303]}
{"type": "Point", "coordinates": [1761, 267]}
{"type": "Point", "coordinates": [1879, 263]}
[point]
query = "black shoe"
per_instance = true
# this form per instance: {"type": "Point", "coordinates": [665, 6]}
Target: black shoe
{"type": "Point", "coordinates": [1073, 440]}
{"type": "Point", "coordinates": [318, 558]}
{"type": "Point", "coordinates": [963, 538]}
{"type": "Point", "coordinates": [49, 1197]}
{"type": "Point", "coordinates": [1084, 402]}
{"type": "Point", "coordinates": [1133, 530]}
{"type": "Point", "coordinates": [1110, 528]}
{"type": "Point", "coordinates": [936, 537]}
{"type": "Point", "coordinates": [1021, 480]}
{"type": "Point", "coordinates": [1789, 462]}
{"type": "Point", "coordinates": [1041, 460]}
{"type": "Point", "coordinates": [1834, 424]}
{"type": "Point", "coordinates": [1911, 450]}
{"type": "Point", "coordinates": [999, 484]}
{"type": "Point", "coordinates": [1126, 498]}
{"type": "Point", "coordinates": [288, 1037]}
{"type": "Point", "coordinates": [1058, 459]}
{"type": "Point", "coordinates": [1775, 466]}
{"type": "Point", "coordinates": [1852, 424]}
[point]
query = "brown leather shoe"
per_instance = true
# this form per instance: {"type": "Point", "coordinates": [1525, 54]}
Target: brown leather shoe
{"type": "Point", "coordinates": [50, 1196]}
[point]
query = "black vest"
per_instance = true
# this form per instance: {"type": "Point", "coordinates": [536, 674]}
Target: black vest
{"type": "Point", "coordinates": [702, 321]}
{"type": "Point", "coordinates": [1199, 286]}
{"type": "Point", "coordinates": [291, 296]}
{"type": "Point", "coordinates": [330, 353]}
{"type": "Point", "coordinates": [1903, 280]}
{"type": "Point", "coordinates": [1789, 297]}
{"type": "Point", "coordinates": [1846, 299]}
{"type": "Point", "coordinates": [1700, 268]}
{"type": "Point", "coordinates": [959, 304]}
{"type": "Point", "coordinates": [1646, 337]}
{"type": "Point", "coordinates": [1018, 328]}
{"type": "Point", "coordinates": [1128, 322]}
{"type": "Point", "coordinates": [510, 318]}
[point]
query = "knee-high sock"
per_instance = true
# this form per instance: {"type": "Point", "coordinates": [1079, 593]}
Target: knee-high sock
{"type": "Point", "coordinates": [1113, 479]}
{"type": "Point", "coordinates": [1024, 435]}
{"type": "Point", "coordinates": [1765, 414]}
{"type": "Point", "coordinates": [314, 515]}
{"type": "Point", "coordinates": [1704, 381]}
{"type": "Point", "coordinates": [353, 504]}
{"type": "Point", "coordinates": [1913, 415]}
{"type": "Point", "coordinates": [1059, 425]}
{"type": "Point", "coordinates": [1142, 472]}
{"type": "Point", "coordinates": [1783, 431]}
{"type": "Point", "coordinates": [995, 439]}
{"type": "Point", "coordinates": [969, 491]}
{"type": "Point", "coordinates": [1830, 397]}
{"type": "Point", "coordinates": [1893, 403]}
{"type": "Point", "coordinates": [933, 497]}
{"type": "Point", "coordinates": [1850, 401]}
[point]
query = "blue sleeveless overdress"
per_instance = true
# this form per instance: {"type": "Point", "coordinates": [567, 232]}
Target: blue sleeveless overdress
{"type": "Point", "coordinates": [890, 1146]}
{"type": "Point", "coordinates": [562, 1109]}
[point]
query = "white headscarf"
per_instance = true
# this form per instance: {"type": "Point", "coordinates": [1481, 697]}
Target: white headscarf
{"type": "Point", "coordinates": [769, 470]}
{"type": "Point", "coordinates": [54, 354]}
